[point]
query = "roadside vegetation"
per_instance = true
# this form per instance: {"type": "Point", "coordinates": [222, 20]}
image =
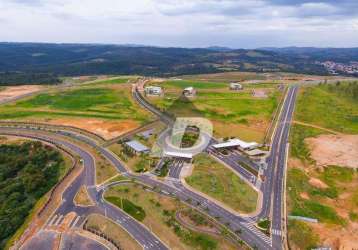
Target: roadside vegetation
{"type": "Point", "coordinates": [28, 171]}
{"type": "Point", "coordinates": [222, 184]}
{"type": "Point", "coordinates": [325, 193]}
{"type": "Point", "coordinates": [299, 148]}
{"type": "Point", "coordinates": [104, 170]}
{"type": "Point", "coordinates": [158, 213]}
{"type": "Point", "coordinates": [233, 113]}
{"type": "Point", "coordinates": [302, 235]}
{"type": "Point", "coordinates": [112, 230]}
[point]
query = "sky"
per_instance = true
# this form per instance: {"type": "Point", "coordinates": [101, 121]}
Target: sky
{"type": "Point", "coordinates": [183, 23]}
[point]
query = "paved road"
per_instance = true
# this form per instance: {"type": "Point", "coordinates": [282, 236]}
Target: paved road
{"type": "Point", "coordinates": [175, 169]}
{"type": "Point", "coordinates": [147, 239]}
{"type": "Point", "coordinates": [272, 188]}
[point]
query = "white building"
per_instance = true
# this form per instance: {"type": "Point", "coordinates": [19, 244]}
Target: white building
{"type": "Point", "coordinates": [236, 86]}
{"type": "Point", "coordinates": [153, 90]}
{"type": "Point", "coordinates": [189, 92]}
{"type": "Point", "coordinates": [237, 143]}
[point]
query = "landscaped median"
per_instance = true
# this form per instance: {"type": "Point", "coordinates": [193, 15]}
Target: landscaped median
{"type": "Point", "coordinates": [158, 213]}
{"type": "Point", "coordinates": [222, 184]}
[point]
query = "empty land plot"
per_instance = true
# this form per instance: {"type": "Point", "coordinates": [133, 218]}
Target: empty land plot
{"type": "Point", "coordinates": [320, 183]}
{"type": "Point", "coordinates": [323, 106]}
{"type": "Point", "coordinates": [232, 113]}
{"type": "Point", "coordinates": [222, 184]}
{"type": "Point", "coordinates": [10, 93]}
{"type": "Point", "coordinates": [107, 110]}
{"type": "Point", "coordinates": [227, 77]}
{"type": "Point", "coordinates": [158, 213]}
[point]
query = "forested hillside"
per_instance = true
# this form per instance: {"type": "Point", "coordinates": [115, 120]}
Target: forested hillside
{"type": "Point", "coordinates": [27, 172]}
{"type": "Point", "coordinates": [33, 59]}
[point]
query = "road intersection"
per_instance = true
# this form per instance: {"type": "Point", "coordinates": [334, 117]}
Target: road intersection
{"type": "Point", "coordinates": [272, 188]}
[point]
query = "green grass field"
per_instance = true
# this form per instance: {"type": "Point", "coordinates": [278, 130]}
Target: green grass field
{"type": "Point", "coordinates": [101, 102]}
{"type": "Point", "coordinates": [196, 84]}
{"type": "Point", "coordinates": [233, 113]}
{"type": "Point", "coordinates": [319, 106]}
{"type": "Point", "coordinates": [129, 207]}
{"type": "Point", "coordinates": [302, 235]}
{"type": "Point", "coordinates": [160, 218]}
{"type": "Point", "coordinates": [219, 182]}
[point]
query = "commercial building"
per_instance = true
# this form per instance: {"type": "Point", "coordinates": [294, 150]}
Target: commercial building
{"type": "Point", "coordinates": [236, 86]}
{"type": "Point", "coordinates": [153, 90]}
{"type": "Point", "coordinates": [136, 147]}
{"type": "Point", "coordinates": [236, 143]}
{"type": "Point", "coordinates": [189, 92]}
{"type": "Point", "coordinates": [179, 155]}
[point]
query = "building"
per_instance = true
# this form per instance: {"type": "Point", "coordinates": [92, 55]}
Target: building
{"type": "Point", "coordinates": [147, 134]}
{"type": "Point", "coordinates": [236, 86]}
{"type": "Point", "coordinates": [136, 147]}
{"type": "Point", "coordinates": [189, 92]}
{"type": "Point", "coordinates": [187, 157]}
{"type": "Point", "coordinates": [153, 90]}
{"type": "Point", "coordinates": [236, 143]}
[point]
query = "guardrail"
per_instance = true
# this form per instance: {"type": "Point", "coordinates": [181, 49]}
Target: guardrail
{"type": "Point", "coordinates": [102, 235]}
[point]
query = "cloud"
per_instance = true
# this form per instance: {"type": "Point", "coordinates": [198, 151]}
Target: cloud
{"type": "Point", "coordinates": [234, 23]}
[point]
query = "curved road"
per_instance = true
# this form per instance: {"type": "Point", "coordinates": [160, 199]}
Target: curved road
{"type": "Point", "coordinates": [272, 188]}
{"type": "Point", "coordinates": [87, 178]}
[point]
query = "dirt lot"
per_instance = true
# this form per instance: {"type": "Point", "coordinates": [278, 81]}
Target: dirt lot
{"type": "Point", "coordinates": [340, 238]}
{"type": "Point", "coordinates": [340, 150]}
{"type": "Point", "coordinates": [106, 129]}
{"type": "Point", "coordinates": [13, 92]}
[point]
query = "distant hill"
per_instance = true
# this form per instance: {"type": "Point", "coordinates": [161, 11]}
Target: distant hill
{"type": "Point", "coordinates": [339, 55]}
{"type": "Point", "coordinates": [52, 60]}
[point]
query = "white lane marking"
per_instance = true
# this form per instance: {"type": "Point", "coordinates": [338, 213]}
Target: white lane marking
{"type": "Point", "coordinates": [74, 222]}
{"type": "Point", "coordinates": [58, 220]}
{"type": "Point", "coordinates": [52, 220]}
{"type": "Point", "coordinates": [276, 232]}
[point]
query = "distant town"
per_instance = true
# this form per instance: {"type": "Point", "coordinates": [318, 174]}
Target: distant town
{"type": "Point", "coordinates": [340, 68]}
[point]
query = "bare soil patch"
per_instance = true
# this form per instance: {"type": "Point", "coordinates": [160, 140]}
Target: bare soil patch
{"type": "Point", "coordinates": [339, 150]}
{"type": "Point", "coordinates": [106, 129]}
{"type": "Point", "coordinates": [304, 196]}
{"type": "Point", "coordinates": [338, 238]}
{"type": "Point", "coordinates": [259, 93]}
{"type": "Point", "coordinates": [16, 91]}
{"type": "Point", "coordinates": [317, 183]}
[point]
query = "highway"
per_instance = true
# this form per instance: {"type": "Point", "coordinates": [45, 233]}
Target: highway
{"type": "Point", "coordinates": [272, 188]}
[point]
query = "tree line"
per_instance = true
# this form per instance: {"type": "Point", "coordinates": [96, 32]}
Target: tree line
{"type": "Point", "coordinates": [27, 172]}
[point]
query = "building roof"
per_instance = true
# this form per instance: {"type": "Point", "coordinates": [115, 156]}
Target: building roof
{"type": "Point", "coordinates": [137, 146]}
{"type": "Point", "coordinates": [154, 88]}
{"type": "Point", "coordinates": [236, 143]}
{"type": "Point", "coordinates": [178, 154]}
{"type": "Point", "coordinates": [189, 89]}
{"type": "Point", "coordinates": [146, 134]}
{"type": "Point", "coordinates": [256, 152]}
